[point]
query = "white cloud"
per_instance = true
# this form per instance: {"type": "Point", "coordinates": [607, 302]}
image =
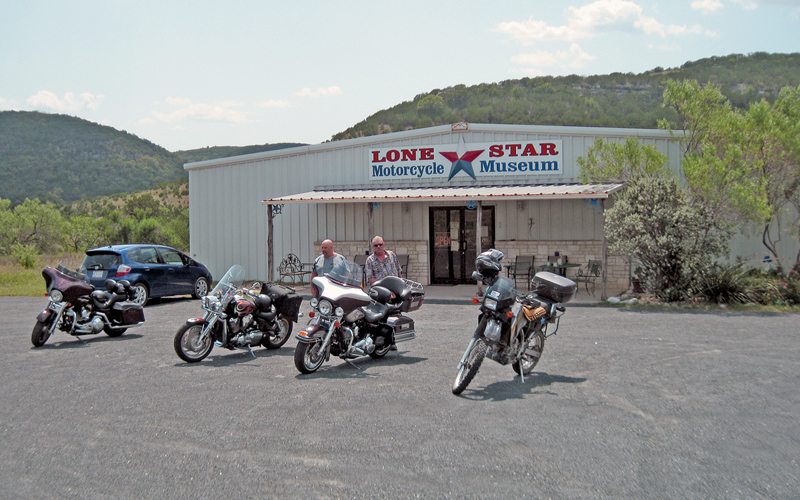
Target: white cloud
{"type": "Point", "coordinates": [68, 103]}
{"type": "Point", "coordinates": [534, 63]}
{"type": "Point", "coordinates": [592, 19]}
{"type": "Point", "coordinates": [319, 92]}
{"type": "Point", "coordinates": [707, 6]}
{"type": "Point", "coordinates": [273, 104]}
{"type": "Point", "coordinates": [747, 4]}
{"type": "Point", "coordinates": [8, 105]}
{"type": "Point", "coordinates": [187, 110]}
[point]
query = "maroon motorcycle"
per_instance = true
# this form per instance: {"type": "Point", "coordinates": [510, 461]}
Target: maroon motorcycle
{"type": "Point", "coordinates": [75, 307]}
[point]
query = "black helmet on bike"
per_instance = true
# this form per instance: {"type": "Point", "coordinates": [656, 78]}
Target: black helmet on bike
{"type": "Point", "coordinates": [488, 263]}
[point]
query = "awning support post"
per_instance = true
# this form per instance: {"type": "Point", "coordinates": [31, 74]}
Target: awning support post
{"type": "Point", "coordinates": [270, 250]}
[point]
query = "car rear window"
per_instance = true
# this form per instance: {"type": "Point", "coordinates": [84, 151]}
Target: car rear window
{"type": "Point", "coordinates": [100, 261]}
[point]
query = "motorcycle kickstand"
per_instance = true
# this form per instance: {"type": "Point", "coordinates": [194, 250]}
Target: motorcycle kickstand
{"type": "Point", "coordinates": [250, 351]}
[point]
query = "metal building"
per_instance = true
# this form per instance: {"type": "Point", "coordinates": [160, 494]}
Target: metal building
{"type": "Point", "coordinates": [433, 194]}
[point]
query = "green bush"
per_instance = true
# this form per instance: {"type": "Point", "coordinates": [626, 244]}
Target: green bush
{"type": "Point", "coordinates": [723, 284]}
{"type": "Point", "coordinates": [25, 255]}
{"type": "Point", "coordinates": [789, 288]}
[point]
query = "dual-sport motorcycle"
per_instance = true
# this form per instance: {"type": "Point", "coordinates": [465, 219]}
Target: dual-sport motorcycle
{"type": "Point", "coordinates": [75, 307]}
{"type": "Point", "coordinates": [349, 323]}
{"type": "Point", "coordinates": [512, 326]}
{"type": "Point", "coordinates": [239, 318]}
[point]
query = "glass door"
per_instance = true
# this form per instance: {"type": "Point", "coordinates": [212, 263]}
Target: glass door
{"type": "Point", "coordinates": [453, 236]}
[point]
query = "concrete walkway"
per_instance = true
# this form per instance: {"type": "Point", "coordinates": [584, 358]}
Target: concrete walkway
{"type": "Point", "coordinates": [463, 294]}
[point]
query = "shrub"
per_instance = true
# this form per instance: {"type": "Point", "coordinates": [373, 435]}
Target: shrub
{"type": "Point", "coordinates": [25, 255]}
{"type": "Point", "coordinates": [789, 288]}
{"type": "Point", "coordinates": [723, 284]}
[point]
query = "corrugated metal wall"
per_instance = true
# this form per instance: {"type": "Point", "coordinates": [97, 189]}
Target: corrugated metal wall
{"type": "Point", "coordinates": [228, 221]}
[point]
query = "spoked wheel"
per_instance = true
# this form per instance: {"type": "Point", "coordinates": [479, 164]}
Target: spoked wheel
{"type": "Point", "coordinates": [308, 357]}
{"type": "Point", "coordinates": [200, 288]}
{"type": "Point", "coordinates": [189, 346]}
{"type": "Point", "coordinates": [533, 351]}
{"type": "Point", "coordinates": [380, 352]}
{"type": "Point", "coordinates": [40, 334]}
{"type": "Point", "coordinates": [470, 367]}
{"type": "Point", "coordinates": [276, 339]}
{"type": "Point", "coordinates": [140, 294]}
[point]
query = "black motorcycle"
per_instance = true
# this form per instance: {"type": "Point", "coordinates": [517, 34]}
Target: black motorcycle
{"type": "Point", "coordinates": [512, 326]}
{"type": "Point", "coordinates": [239, 318]}
{"type": "Point", "coordinates": [75, 307]}
{"type": "Point", "coordinates": [349, 323]}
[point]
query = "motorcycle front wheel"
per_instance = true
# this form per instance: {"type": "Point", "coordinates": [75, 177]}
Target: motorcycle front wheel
{"type": "Point", "coordinates": [307, 356]}
{"type": "Point", "coordinates": [189, 346]}
{"type": "Point", "coordinates": [40, 334]}
{"type": "Point", "coordinates": [275, 340]}
{"type": "Point", "coordinates": [469, 369]}
{"type": "Point", "coordinates": [531, 355]}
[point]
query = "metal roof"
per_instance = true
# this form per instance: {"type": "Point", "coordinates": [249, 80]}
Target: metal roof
{"type": "Point", "coordinates": [422, 194]}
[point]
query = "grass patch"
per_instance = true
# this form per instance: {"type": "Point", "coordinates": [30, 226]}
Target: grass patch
{"type": "Point", "coordinates": [15, 280]}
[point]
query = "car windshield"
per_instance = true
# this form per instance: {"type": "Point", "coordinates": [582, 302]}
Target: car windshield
{"type": "Point", "coordinates": [346, 272]}
{"type": "Point", "coordinates": [227, 286]}
{"type": "Point", "coordinates": [103, 260]}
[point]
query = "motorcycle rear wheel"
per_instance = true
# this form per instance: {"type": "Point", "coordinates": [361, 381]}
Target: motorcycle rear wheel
{"type": "Point", "coordinates": [307, 357]}
{"type": "Point", "coordinates": [471, 366]}
{"type": "Point", "coordinates": [535, 346]}
{"type": "Point", "coordinates": [277, 339]}
{"type": "Point", "coordinates": [40, 334]}
{"type": "Point", "coordinates": [188, 345]}
{"type": "Point", "coordinates": [380, 352]}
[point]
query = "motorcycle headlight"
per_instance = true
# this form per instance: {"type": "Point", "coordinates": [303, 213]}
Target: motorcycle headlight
{"type": "Point", "coordinates": [56, 295]}
{"type": "Point", "coordinates": [210, 302]}
{"type": "Point", "coordinates": [325, 307]}
{"type": "Point", "coordinates": [490, 303]}
{"type": "Point", "coordinates": [339, 312]}
{"type": "Point", "coordinates": [314, 303]}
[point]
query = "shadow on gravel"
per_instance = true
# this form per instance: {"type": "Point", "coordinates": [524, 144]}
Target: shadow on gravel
{"type": "Point", "coordinates": [225, 357]}
{"type": "Point", "coordinates": [75, 342]}
{"type": "Point", "coordinates": [356, 368]}
{"type": "Point", "coordinates": [514, 389]}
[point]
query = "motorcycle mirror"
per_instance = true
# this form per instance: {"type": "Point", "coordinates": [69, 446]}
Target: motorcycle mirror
{"type": "Point", "coordinates": [477, 276]}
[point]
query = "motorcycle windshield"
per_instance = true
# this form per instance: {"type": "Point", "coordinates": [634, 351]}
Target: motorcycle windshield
{"type": "Point", "coordinates": [346, 272]}
{"type": "Point", "coordinates": [227, 286]}
{"type": "Point", "coordinates": [502, 290]}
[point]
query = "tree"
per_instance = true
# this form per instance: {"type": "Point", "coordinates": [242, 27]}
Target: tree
{"type": "Point", "coordinates": [653, 221]}
{"type": "Point", "coordinates": [609, 161]}
{"type": "Point", "coordinates": [740, 166]}
{"type": "Point", "coordinates": [39, 225]}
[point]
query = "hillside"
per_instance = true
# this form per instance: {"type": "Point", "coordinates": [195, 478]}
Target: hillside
{"type": "Point", "coordinates": [209, 153]}
{"type": "Point", "coordinates": [62, 158]}
{"type": "Point", "coordinates": [615, 100]}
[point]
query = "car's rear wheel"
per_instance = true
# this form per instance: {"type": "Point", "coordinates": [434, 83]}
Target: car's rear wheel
{"type": "Point", "coordinates": [200, 288]}
{"type": "Point", "coordinates": [140, 294]}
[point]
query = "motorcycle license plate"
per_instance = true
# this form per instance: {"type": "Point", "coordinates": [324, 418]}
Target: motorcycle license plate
{"type": "Point", "coordinates": [98, 274]}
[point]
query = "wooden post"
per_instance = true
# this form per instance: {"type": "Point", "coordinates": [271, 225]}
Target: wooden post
{"type": "Point", "coordinates": [270, 249]}
{"type": "Point", "coordinates": [478, 224]}
{"type": "Point", "coordinates": [370, 226]}
{"type": "Point", "coordinates": [604, 292]}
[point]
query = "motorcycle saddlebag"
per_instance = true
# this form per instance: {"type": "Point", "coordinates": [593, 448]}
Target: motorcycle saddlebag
{"type": "Point", "coordinates": [553, 287]}
{"type": "Point", "coordinates": [131, 314]}
{"type": "Point", "coordinates": [286, 301]}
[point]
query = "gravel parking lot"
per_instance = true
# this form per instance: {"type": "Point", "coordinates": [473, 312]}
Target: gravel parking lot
{"type": "Point", "coordinates": [624, 404]}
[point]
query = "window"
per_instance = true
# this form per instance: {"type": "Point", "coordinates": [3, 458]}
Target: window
{"type": "Point", "coordinates": [171, 256]}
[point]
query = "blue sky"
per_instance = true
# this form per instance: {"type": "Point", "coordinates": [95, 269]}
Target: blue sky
{"type": "Point", "coordinates": [188, 74]}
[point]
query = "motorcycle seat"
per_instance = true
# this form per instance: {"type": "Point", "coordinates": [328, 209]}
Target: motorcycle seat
{"type": "Point", "coordinates": [375, 312]}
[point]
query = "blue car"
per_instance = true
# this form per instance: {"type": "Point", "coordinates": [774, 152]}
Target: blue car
{"type": "Point", "coordinates": [153, 270]}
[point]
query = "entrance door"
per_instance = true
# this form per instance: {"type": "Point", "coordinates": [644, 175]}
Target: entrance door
{"type": "Point", "coordinates": [453, 232]}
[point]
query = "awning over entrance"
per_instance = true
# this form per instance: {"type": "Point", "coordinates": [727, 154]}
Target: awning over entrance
{"type": "Point", "coordinates": [465, 193]}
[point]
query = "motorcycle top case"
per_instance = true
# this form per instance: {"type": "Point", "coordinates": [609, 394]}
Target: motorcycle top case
{"type": "Point", "coordinates": [553, 287]}
{"type": "Point", "coordinates": [286, 301]}
{"type": "Point", "coordinates": [413, 301]}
